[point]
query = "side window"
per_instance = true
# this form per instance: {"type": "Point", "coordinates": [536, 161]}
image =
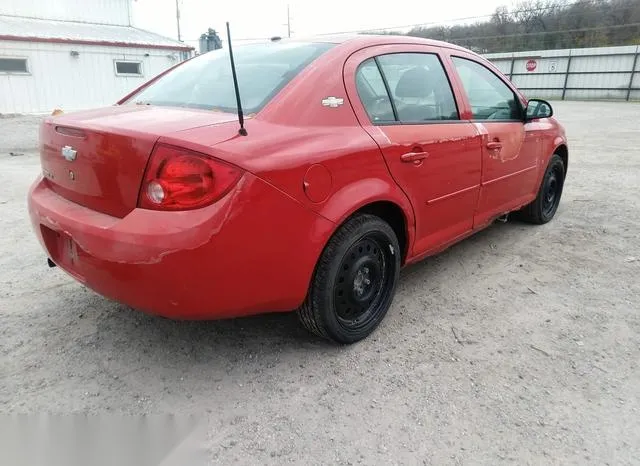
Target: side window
{"type": "Point", "coordinates": [489, 96]}
{"type": "Point", "coordinates": [373, 93]}
{"type": "Point", "coordinates": [419, 86]}
{"type": "Point", "coordinates": [13, 65]}
{"type": "Point", "coordinates": [128, 68]}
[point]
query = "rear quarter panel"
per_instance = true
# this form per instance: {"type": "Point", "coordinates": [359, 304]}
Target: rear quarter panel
{"type": "Point", "coordinates": [295, 132]}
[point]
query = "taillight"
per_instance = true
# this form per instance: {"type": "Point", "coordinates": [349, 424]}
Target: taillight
{"type": "Point", "coordinates": [179, 179]}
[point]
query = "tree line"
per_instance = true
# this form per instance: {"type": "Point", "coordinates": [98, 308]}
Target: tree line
{"type": "Point", "coordinates": [546, 24]}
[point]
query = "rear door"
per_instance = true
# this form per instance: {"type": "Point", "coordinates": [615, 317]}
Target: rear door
{"type": "Point", "coordinates": [510, 153]}
{"type": "Point", "coordinates": [404, 100]}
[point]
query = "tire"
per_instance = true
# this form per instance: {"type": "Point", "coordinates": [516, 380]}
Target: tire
{"type": "Point", "coordinates": [354, 282]}
{"type": "Point", "coordinates": [545, 205]}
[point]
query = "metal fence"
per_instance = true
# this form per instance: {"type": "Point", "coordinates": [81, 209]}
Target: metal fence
{"type": "Point", "coordinates": [607, 73]}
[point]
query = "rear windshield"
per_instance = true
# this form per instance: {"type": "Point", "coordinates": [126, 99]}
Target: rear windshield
{"type": "Point", "coordinates": [206, 81]}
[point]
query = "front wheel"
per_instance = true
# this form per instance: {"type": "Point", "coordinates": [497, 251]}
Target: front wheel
{"type": "Point", "coordinates": [545, 205]}
{"type": "Point", "coordinates": [354, 282]}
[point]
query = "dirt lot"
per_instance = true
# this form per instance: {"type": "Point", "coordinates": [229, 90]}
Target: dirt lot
{"type": "Point", "coordinates": [519, 345]}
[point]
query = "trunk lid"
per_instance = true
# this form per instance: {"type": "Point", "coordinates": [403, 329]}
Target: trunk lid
{"type": "Point", "coordinates": [97, 158]}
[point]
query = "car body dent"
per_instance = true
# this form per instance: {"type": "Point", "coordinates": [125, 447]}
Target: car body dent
{"type": "Point", "coordinates": [177, 264]}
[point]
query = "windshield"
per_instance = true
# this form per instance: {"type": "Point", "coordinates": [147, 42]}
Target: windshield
{"type": "Point", "coordinates": [206, 81]}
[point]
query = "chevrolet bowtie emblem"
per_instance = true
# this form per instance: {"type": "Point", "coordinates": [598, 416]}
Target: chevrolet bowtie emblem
{"type": "Point", "coordinates": [333, 102]}
{"type": "Point", "coordinates": [69, 153]}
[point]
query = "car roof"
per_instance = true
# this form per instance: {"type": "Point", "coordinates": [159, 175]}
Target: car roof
{"type": "Point", "coordinates": [369, 40]}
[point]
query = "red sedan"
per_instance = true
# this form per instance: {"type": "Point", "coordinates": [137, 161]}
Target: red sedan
{"type": "Point", "coordinates": [358, 156]}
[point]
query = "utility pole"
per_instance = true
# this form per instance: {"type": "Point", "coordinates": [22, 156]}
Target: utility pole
{"type": "Point", "coordinates": [178, 19]}
{"type": "Point", "coordinates": [288, 22]}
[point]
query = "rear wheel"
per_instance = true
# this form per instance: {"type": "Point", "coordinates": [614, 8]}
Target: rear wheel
{"type": "Point", "coordinates": [544, 207]}
{"type": "Point", "coordinates": [354, 282]}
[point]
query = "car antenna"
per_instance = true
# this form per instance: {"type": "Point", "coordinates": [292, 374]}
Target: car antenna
{"type": "Point", "coordinates": [242, 131]}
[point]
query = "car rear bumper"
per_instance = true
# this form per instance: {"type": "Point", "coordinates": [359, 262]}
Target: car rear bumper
{"type": "Point", "coordinates": [253, 251]}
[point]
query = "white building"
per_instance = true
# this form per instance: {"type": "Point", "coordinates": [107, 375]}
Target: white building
{"type": "Point", "coordinates": [75, 54]}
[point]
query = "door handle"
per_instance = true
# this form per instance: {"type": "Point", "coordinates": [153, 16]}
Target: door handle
{"type": "Point", "coordinates": [414, 157]}
{"type": "Point", "coordinates": [495, 145]}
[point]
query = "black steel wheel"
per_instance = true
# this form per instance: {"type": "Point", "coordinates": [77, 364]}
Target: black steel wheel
{"type": "Point", "coordinates": [551, 191]}
{"type": "Point", "coordinates": [363, 279]}
{"type": "Point", "coordinates": [354, 281]}
{"type": "Point", "coordinates": [544, 207]}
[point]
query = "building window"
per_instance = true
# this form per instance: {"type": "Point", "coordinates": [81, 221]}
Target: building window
{"type": "Point", "coordinates": [13, 65]}
{"type": "Point", "coordinates": [128, 68]}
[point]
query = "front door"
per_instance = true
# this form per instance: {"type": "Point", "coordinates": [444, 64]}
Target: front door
{"type": "Point", "coordinates": [510, 153]}
{"type": "Point", "coordinates": [404, 100]}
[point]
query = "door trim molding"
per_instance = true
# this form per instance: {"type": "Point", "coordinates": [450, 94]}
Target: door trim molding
{"type": "Point", "coordinates": [453, 194]}
{"type": "Point", "coordinates": [509, 175]}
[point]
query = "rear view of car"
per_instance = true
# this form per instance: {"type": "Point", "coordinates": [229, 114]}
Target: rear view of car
{"type": "Point", "coordinates": [131, 207]}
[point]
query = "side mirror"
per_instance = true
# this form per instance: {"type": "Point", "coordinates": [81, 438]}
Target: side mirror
{"type": "Point", "coordinates": [538, 108]}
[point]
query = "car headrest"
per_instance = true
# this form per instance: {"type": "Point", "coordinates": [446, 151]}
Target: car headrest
{"type": "Point", "coordinates": [415, 82]}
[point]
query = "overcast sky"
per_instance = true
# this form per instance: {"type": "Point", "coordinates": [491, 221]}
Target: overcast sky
{"type": "Point", "coordinates": [267, 18]}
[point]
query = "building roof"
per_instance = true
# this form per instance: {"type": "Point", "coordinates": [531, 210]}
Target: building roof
{"type": "Point", "coordinates": [39, 30]}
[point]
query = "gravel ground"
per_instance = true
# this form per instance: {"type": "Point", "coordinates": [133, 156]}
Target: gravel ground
{"type": "Point", "coordinates": [519, 345]}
